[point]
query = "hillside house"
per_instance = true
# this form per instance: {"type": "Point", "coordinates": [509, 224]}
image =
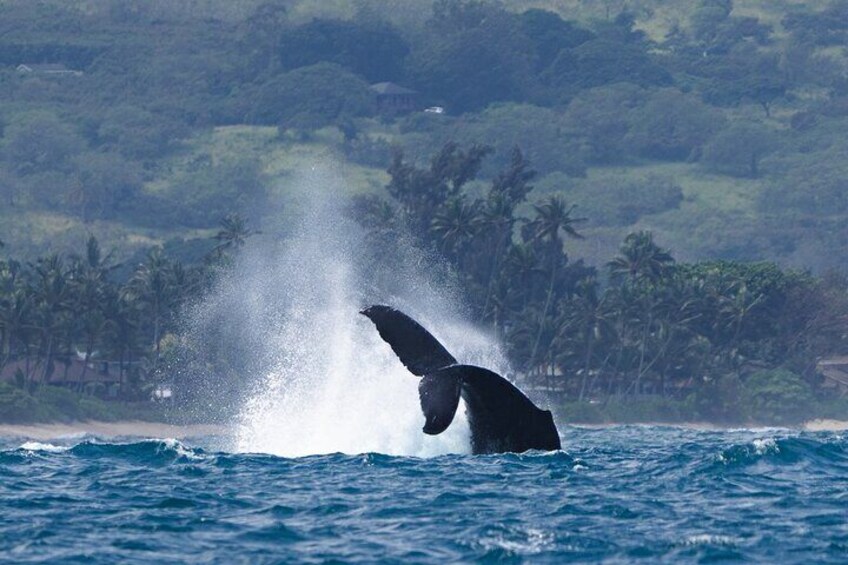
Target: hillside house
{"type": "Point", "coordinates": [394, 99]}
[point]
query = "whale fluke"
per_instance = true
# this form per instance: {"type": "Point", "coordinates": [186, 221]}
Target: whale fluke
{"type": "Point", "coordinates": [419, 351]}
{"type": "Point", "coordinates": [500, 416]}
{"type": "Point", "coordinates": [439, 394]}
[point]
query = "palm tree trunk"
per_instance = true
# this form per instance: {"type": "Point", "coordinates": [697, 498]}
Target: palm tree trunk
{"type": "Point", "coordinates": [548, 299]}
{"type": "Point", "coordinates": [641, 370]}
{"type": "Point", "coordinates": [88, 347]}
{"type": "Point", "coordinates": [6, 349]}
{"type": "Point", "coordinates": [586, 364]}
{"type": "Point", "coordinates": [48, 359]}
{"type": "Point", "coordinates": [493, 272]}
{"type": "Point", "coordinates": [156, 337]}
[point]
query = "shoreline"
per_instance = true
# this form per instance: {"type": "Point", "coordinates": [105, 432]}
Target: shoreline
{"type": "Point", "coordinates": [143, 429]}
{"type": "Point", "coordinates": [817, 425]}
{"type": "Point", "coordinates": [121, 428]}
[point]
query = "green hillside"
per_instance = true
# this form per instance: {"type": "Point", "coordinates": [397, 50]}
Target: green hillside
{"type": "Point", "coordinates": [176, 116]}
{"type": "Point", "coordinates": [641, 199]}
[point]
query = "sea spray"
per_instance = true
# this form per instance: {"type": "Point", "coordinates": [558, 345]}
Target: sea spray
{"type": "Point", "coordinates": [325, 380]}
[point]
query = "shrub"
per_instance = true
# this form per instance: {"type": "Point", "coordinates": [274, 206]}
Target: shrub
{"type": "Point", "coordinates": [16, 406]}
{"type": "Point", "coordinates": [833, 408]}
{"type": "Point", "coordinates": [645, 409]}
{"type": "Point", "coordinates": [312, 97]}
{"type": "Point", "coordinates": [95, 409]}
{"type": "Point", "coordinates": [625, 410]}
{"type": "Point", "coordinates": [372, 152]}
{"type": "Point", "coordinates": [717, 401]}
{"type": "Point", "coordinates": [64, 402]}
{"type": "Point", "coordinates": [738, 150]}
{"type": "Point", "coordinates": [777, 397]}
{"type": "Point", "coordinates": [582, 412]}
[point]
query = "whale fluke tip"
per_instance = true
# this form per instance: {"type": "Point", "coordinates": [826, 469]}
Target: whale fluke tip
{"type": "Point", "coordinates": [419, 351]}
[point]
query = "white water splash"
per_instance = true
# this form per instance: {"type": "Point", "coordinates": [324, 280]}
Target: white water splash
{"type": "Point", "coordinates": [335, 385]}
{"type": "Point", "coordinates": [33, 446]}
{"type": "Point", "coordinates": [766, 445]}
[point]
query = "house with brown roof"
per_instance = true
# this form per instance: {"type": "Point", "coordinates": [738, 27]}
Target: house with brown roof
{"type": "Point", "coordinates": [394, 99]}
{"type": "Point", "coordinates": [100, 378]}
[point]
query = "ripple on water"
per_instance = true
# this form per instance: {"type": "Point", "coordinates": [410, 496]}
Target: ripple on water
{"type": "Point", "coordinates": [619, 494]}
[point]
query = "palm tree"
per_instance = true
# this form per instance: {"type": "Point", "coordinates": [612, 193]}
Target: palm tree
{"type": "Point", "coordinates": [734, 306]}
{"type": "Point", "coordinates": [553, 218]}
{"type": "Point", "coordinates": [89, 280]}
{"type": "Point", "coordinates": [640, 258]}
{"type": "Point", "coordinates": [523, 335]}
{"type": "Point", "coordinates": [122, 312]}
{"type": "Point", "coordinates": [525, 270]}
{"type": "Point", "coordinates": [52, 301]}
{"type": "Point", "coordinates": [513, 184]}
{"type": "Point", "coordinates": [498, 223]}
{"type": "Point", "coordinates": [589, 319]}
{"type": "Point", "coordinates": [455, 225]}
{"type": "Point", "coordinates": [151, 286]}
{"type": "Point", "coordinates": [15, 310]}
{"type": "Point", "coordinates": [233, 233]}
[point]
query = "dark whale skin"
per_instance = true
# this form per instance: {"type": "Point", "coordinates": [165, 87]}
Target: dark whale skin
{"type": "Point", "coordinates": [501, 417]}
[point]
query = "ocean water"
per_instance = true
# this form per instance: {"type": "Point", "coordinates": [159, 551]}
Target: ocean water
{"type": "Point", "coordinates": [617, 494]}
{"type": "Point", "coordinates": [326, 461]}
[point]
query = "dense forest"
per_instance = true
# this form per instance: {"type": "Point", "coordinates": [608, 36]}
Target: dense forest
{"type": "Point", "coordinates": [643, 196]}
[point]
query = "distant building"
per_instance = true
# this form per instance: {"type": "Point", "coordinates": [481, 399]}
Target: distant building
{"type": "Point", "coordinates": [835, 373]}
{"type": "Point", "coordinates": [102, 378]}
{"type": "Point", "coordinates": [393, 98]}
{"type": "Point", "coordinates": [54, 69]}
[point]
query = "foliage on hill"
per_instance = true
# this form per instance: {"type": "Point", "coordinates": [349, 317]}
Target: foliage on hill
{"type": "Point", "coordinates": [677, 341]}
{"type": "Point", "coordinates": [643, 325]}
{"type": "Point", "coordinates": [715, 125]}
{"type": "Point", "coordinates": [754, 93]}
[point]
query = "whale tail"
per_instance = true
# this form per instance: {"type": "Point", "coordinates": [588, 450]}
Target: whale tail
{"type": "Point", "coordinates": [500, 416]}
{"type": "Point", "coordinates": [439, 394]}
{"type": "Point", "coordinates": [419, 351]}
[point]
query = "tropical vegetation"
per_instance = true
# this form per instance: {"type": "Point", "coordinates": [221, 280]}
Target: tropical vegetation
{"type": "Point", "coordinates": [729, 340]}
{"type": "Point", "coordinates": [643, 200]}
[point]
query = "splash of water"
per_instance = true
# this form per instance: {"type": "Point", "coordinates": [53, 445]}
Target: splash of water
{"type": "Point", "coordinates": [334, 385]}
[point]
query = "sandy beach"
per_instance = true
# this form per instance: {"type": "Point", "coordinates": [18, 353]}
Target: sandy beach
{"type": "Point", "coordinates": [810, 426]}
{"type": "Point", "coordinates": [826, 425]}
{"type": "Point", "coordinates": [110, 429]}
{"type": "Point", "coordinates": [43, 432]}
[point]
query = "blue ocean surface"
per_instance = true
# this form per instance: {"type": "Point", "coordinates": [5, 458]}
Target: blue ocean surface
{"type": "Point", "coordinates": [617, 494]}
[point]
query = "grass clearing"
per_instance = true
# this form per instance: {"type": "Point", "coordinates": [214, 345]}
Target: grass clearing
{"type": "Point", "coordinates": [712, 216]}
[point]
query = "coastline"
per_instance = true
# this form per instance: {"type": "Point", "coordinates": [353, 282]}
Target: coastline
{"type": "Point", "coordinates": [826, 425]}
{"type": "Point", "coordinates": [142, 429]}
{"type": "Point", "coordinates": [125, 428]}
{"type": "Point", "coordinates": [818, 425]}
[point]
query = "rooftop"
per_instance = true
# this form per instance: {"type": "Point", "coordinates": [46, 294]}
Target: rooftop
{"type": "Point", "coordinates": [390, 88]}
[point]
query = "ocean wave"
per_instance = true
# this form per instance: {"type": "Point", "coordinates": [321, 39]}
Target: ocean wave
{"type": "Point", "coordinates": [621, 495]}
{"type": "Point", "coordinates": [39, 446]}
{"type": "Point", "coordinates": [827, 451]}
{"type": "Point", "coordinates": [167, 449]}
